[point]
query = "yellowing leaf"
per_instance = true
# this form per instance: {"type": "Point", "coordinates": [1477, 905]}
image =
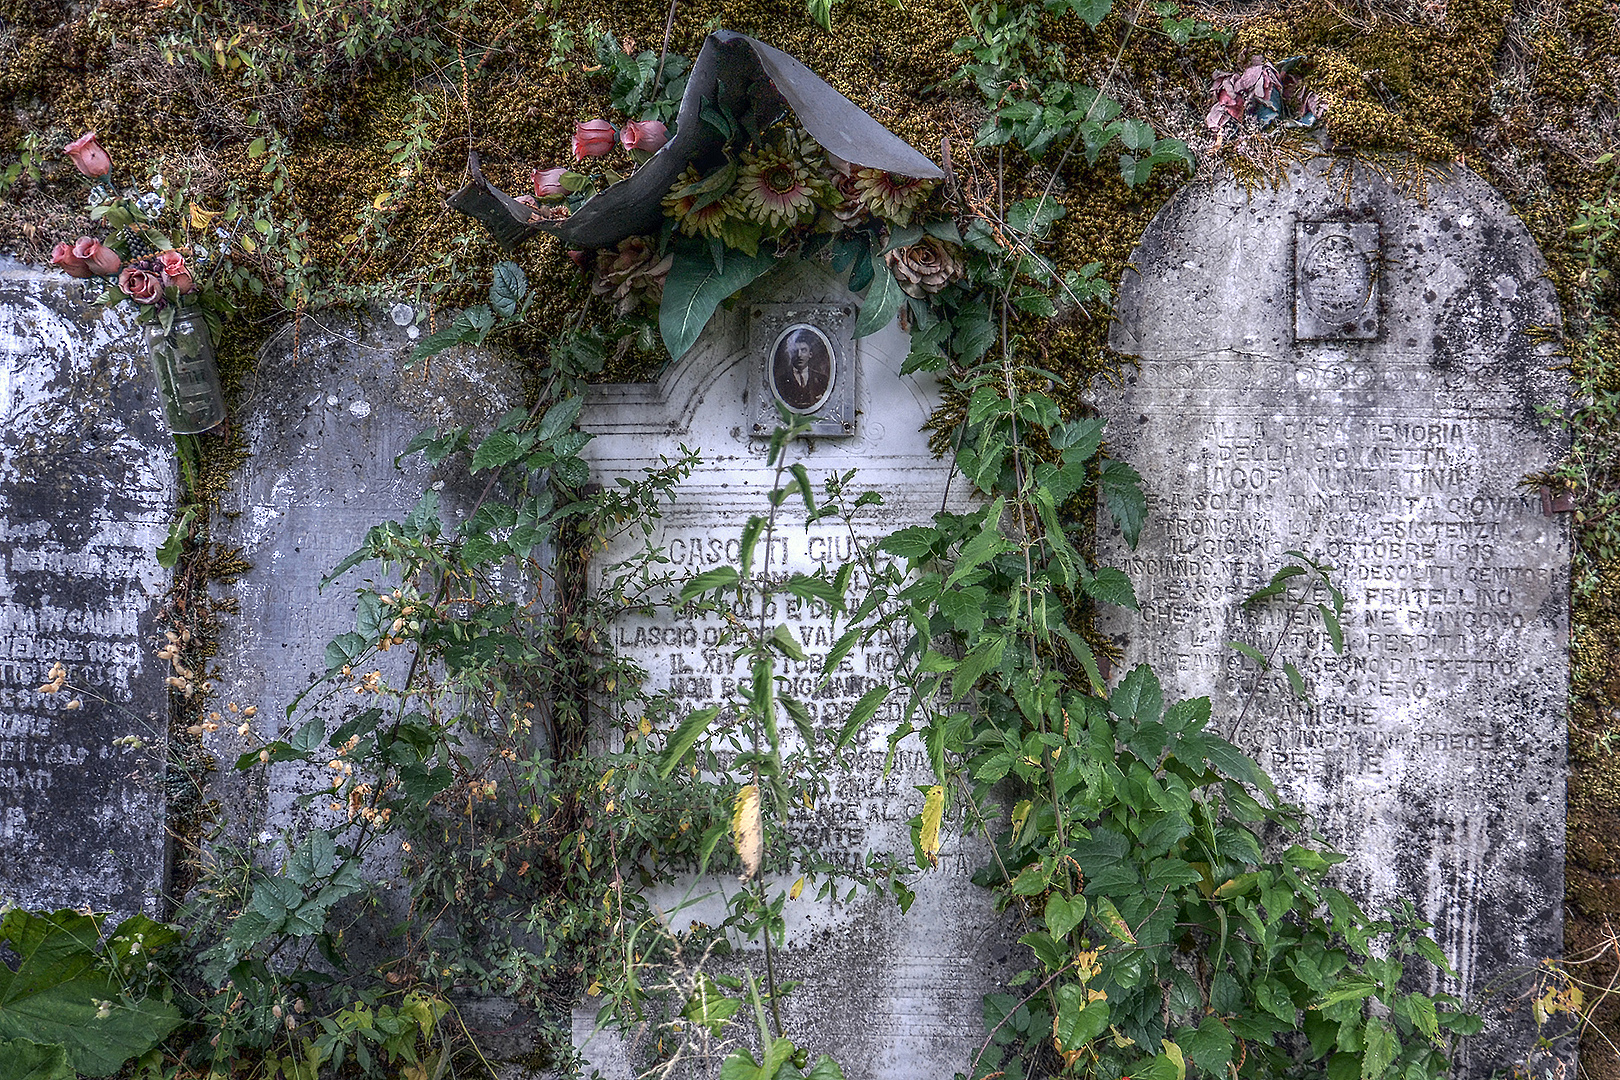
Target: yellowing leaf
{"type": "Point", "coordinates": [798, 887]}
{"type": "Point", "coordinates": [1173, 1052]}
{"type": "Point", "coordinates": [200, 218]}
{"type": "Point", "coordinates": [1107, 914]}
{"type": "Point", "coordinates": [381, 201]}
{"type": "Point", "coordinates": [932, 816]}
{"type": "Point", "coordinates": [747, 834]}
{"type": "Point", "coordinates": [248, 244]}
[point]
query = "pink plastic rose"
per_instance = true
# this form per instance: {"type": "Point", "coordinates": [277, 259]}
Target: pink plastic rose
{"type": "Point", "coordinates": [593, 138]}
{"type": "Point", "coordinates": [548, 182]}
{"type": "Point", "coordinates": [142, 286]}
{"type": "Point", "coordinates": [97, 256]}
{"type": "Point", "coordinates": [646, 135]}
{"type": "Point", "coordinates": [175, 272]}
{"type": "Point", "coordinates": [88, 156]}
{"type": "Point", "coordinates": [62, 255]}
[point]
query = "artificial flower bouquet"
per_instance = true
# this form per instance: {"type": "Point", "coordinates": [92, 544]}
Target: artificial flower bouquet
{"type": "Point", "coordinates": [780, 187]}
{"type": "Point", "coordinates": [139, 263]}
{"type": "Point", "coordinates": [137, 260]}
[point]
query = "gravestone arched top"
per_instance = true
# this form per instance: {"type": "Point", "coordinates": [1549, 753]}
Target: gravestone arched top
{"type": "Point", "coordinates": [1354, 287]}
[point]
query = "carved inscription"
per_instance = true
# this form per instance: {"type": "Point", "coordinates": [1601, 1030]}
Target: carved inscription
{"type": "Point", "coordinates": [1440, 572]}
{"type": "Point", "coordinates": [921, 976]}
{"type": "Point", "coordinates": [1382, 424]}
{"type": "Point", "coordinates": [86, 489]}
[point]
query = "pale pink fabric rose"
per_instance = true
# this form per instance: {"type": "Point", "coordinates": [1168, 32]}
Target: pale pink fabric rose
{"type": "Point", "coordinates": [593, 138]}
{"type": "Point", "coordinates": [142, 286]}
{"type": "Point", "coordinates": [646, 135]}
{"type": "Point", "coordinates": [88, 156]}
{"type": "Point", "coordinates": [173, 266]}
{"type": "Point", "coordinates": [548, 182]}
{"type": "Point", "coordinates": [97, 256]}
{"type": "Point", "coordinates": [62, 255]}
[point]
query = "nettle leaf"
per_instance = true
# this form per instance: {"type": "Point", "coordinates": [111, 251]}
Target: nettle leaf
{"type": "Point", "coordinates": [1123, 495]}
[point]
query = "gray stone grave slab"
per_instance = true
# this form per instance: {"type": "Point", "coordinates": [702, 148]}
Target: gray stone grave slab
{"type": "Point", "coordinates": [889, 996]}
{"type": "Point", "coordinates": [1341, 368]}
{"type": "Point", "coordinates": [322, 430]}
{"type": "Point", "coordinates": [87, 489]}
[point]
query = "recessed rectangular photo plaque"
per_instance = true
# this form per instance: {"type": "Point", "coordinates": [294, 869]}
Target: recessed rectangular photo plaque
{"type": "Point", "coordinates": [1335, 280]}
{"type": "Point", "coordinates": [803, 358]}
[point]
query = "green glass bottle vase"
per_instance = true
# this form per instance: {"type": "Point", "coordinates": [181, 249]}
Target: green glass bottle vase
{"type": "Point", "coordinates": [188, 382]}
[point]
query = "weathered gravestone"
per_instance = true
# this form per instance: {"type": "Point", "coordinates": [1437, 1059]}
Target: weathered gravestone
{"type": "Point", "coordinates": [323, 429]}
{"type": "Point", "coordinates": [87, 484]}
{"type": "Point", "coordinates": [889, 996]}
{"type": "Point", "coordinates": [1344, 369]}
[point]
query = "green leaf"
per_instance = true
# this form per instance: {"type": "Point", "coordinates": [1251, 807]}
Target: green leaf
{"type": "Point", "coordinates": [508, 290]}
{"type": "Point", "coordinates": [1382, 1046]}
{"type": "Point", "coordinates": [720, 577]}
{"type": "Point", "coordinates": [559, 418]}
{"type": "Point", "coordinates": [1122, 494]}
{"type": "Point", "coordinates": [983, 657]}
{"type": "Point", "coordinates": [24, 1060]}
{"type": "Point", "coordinates": [690, 730]}
{"type": "Point", "coordinates": [783, 639]}
{"type": "Point", "coordinates": [501, 448]}
{"type": "Point", "coordinates": [1111, 586]}
{"type": "Point", "coordinates": [1078, 1021]}
{"type": "Point", "coordinates": [709, 1006]}
{"type": "Point", "coordinates": [864, 710]}
{"type": "Point", "coordinates": [825, 1068]}
{"type": "Point", "coordinates": [882, 301]}
{"type": "Point", "coordinates": [695, 287]}
{"type": "Point", "coordinates": [1296, 681]}
{"type": "Point", "coordinates": [1352, 987]}
{"type": "Point", "coordinates": [1094, 12]}
{"type": "Point", "coordinates": [1209, 1045]}
{"type": "Point", "coordinates": [1063, 914]}
{"type": "Point", "coordinates": [168, 553]}
{"type": "Point", "coordinates": [55, 995]}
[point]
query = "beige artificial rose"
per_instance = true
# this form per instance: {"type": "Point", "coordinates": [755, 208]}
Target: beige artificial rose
{"type": "Point", "coordinates": [925, 267]}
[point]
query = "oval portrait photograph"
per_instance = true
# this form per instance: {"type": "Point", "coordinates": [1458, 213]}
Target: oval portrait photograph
{"type": "Point", "coordinates": [802, 368]}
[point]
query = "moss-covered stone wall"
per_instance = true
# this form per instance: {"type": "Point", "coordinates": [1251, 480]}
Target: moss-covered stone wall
{"type": "Point", "coordinates": [369, 109]}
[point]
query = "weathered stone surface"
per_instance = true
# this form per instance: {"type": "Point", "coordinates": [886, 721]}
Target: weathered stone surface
{"type": "Point", "coordinates": [1358, 376]}
{"type": "Point", "coordinates": [87, 488]}
{"type": "Point", "coordinates": [887, 995]}
{"type": "Point", "coordinates": [323, 429]}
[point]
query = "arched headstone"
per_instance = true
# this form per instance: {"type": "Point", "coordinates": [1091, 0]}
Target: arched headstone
{"type": "Point", "coordinates": [1339, 367]}
{"type": "Point", "coordinates": [890, 996]}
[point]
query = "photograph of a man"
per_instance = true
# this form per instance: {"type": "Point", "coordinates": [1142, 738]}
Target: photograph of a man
{"type": "Point", "coordinates": [802, 368]}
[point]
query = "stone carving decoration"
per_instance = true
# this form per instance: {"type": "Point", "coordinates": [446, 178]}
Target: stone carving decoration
{"type": "Point", "coordinates": [1336, 280]}
{"type": "Point", "coordinates": [1360, 378]}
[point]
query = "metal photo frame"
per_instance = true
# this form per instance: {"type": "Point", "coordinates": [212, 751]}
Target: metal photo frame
{"type": "Point", "coordinates": [803, 361]}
